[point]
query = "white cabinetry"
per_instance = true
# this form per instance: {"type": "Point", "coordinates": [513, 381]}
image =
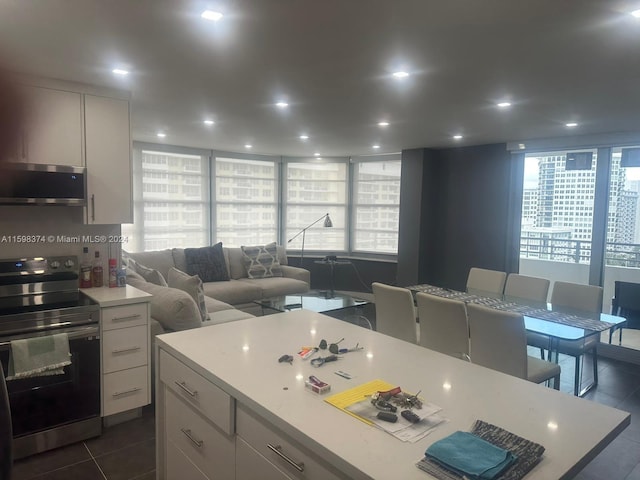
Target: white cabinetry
{"type": "Point", "coordinates": [124, 332]}
{"type": "Point", "coordinates": [197, 434]}
{"type": "Point", "coordinates": [108, 160]}
{"type": "Point", "coordinates": [53, 127]}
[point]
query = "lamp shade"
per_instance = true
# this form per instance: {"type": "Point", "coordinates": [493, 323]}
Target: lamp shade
{"type": "Point", "coordinates": [327, 221]}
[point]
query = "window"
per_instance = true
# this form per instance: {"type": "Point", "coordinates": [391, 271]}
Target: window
{"type": "Point", "coordinates": [171, 207]}
{"type": "Point", "coordinates": [314, 189]}
{"type": "Point", "coordinates": [376, 206]}
{"type": "Point", "coordinates": [246, 201]}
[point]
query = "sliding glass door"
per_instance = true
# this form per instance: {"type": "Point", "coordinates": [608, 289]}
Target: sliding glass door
{"type": "Point", "coordinates": [557, 215]}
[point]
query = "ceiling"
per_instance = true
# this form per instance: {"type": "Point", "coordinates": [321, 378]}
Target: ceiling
{"type": "Point", "coordinates": [555, 61]}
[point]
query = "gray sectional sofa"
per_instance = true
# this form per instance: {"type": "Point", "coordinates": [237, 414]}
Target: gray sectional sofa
{"type": "Point", "coordinates": [173, 309]}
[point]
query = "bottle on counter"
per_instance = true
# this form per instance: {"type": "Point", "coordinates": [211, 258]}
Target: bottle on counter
{"type": "Point", "coordinates": [86, 277]}
{"type": "Point", "coordinates": [113, 273]}
{"type": "Point", "coordinates": [98, 271]}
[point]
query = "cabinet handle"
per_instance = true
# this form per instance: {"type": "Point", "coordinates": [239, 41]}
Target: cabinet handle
{"type": "Point", "coordinates": [278, 451]}
{"type": "Point", "coordinates": [197, 443]}
{"type": "Point", "coordinates": [125, 392]}
{"type": "Point", "coordinates": [122, 319]}
{"type": "Point", "coordinates": [93, 207]}
{"type": "Point", "coordinates": [24, 145]}
{"type": "Point", "coordinates": [183, 386]}
{"type": "Point", "coordinates": [123, 350]}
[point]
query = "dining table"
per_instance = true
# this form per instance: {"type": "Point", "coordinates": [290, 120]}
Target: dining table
{"type": "Point", "coordinates": [556, 322]}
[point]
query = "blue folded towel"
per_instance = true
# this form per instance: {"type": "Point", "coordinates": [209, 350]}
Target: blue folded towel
{"type": "Point", "coordinates": [470, 455]}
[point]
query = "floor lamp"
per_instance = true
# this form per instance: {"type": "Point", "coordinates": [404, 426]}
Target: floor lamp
{"type": "Point", "coordinates": [327, 223]}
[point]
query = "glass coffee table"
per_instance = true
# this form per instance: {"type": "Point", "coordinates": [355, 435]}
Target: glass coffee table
{"type": "Point", "coordinates": [338, 305]}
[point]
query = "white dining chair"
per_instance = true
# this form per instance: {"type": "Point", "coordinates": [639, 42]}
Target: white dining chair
{"type": "Point", "coordinates": [579, 297]}
{"type": "Point", "coordinates": [498, 341]}
{"type": "Point", "coordinates": [395, 312]}
{"type": "Point", "coordinates": [486, 281]}
{"type": "Point", "coordinates": [526, 287]}
{"type": "Point", "coordinates": [443, 325]}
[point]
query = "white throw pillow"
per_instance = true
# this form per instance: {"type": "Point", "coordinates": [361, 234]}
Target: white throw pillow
{"type": "Point", "coordinates": [192, 285]}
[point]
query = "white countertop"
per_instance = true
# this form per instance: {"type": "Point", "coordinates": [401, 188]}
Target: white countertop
{"type": "Point", "coordinates": [242, 358]}
{"type": "Point", "coordinates": [109, 297]}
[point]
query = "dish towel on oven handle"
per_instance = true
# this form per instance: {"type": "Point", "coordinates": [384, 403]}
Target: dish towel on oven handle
{"type": "Point", "coordinates": [39, 356]}
{"type": "Point", "coordinates": [470, 455]}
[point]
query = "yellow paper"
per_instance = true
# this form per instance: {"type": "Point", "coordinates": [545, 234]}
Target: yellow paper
{"type": "Point", "coordinates": [354, 395]}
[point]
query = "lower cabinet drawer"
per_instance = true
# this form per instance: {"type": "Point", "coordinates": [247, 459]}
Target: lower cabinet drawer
{"type": "Point", "coordinates": [280, 450]}
{"type": "Point", "coordinates": [124, 348]}
{"type": "Point", "coordinates": [211, 401]}
{"type": "Point", "coordinates": [179, 466]}
{"type": "Point", "coordinates": [125, 390]}
{"type": "Point", "coordinates": [251, 465]}
{"type": "Point", "coordinates": [210, 449]}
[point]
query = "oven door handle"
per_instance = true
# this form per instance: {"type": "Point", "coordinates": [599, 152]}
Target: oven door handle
{"type": "Point", "coordinates": [73, 333]}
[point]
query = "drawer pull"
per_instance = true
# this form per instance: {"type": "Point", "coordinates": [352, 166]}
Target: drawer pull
{"type": "Point", "coordinates": [278, 451]}
{"type": "Point", "coordinates": [128, 349]}
{"type": "Point", "coordinates": [183, 386]}
{"type": "Point", "coordinates": [128, 317]}
{"type": "Point", "coordinates": [126, 392]}
{"type": "Point", "coordinates": [197, 443]}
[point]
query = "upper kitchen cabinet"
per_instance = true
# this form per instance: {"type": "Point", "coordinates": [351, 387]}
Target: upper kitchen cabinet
{"type": "Point", "coordinates": [52, 133]}
{"type": "Point", "coordinates": [108, 160]}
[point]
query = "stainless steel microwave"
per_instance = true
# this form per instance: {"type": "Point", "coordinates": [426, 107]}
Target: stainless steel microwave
{"type": "Point", "coordinates": [36, 184]}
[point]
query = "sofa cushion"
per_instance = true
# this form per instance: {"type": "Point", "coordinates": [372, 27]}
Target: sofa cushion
{"type": "Point", "coordinates": [282, 255]}
{"type": "Point", "coordinates": [275, 286]}
{"type": "Point", "coordinates": [214, 305]}
{"type": "Point", "coordinates": [227, 316]}
{"type": "Point", "coordinates": [179, 260]}
{"type": "Point", "coordinates": [207, 262]}
{"type": "Point", "coordinates": [235, 261]}
{"type": "Point", "coordinates": [149, 274]}
{"type": "Point", "coordinates": [161, 260]}
{"type": "Point", "coordinates": [174, 309]}
{"type": "Point", "coordinates": [232, 291]}
{"type": "Point", "coordinates": [132, 274]}
{"type": "Point", "coordinates": [262, 261]}
{"type": "Point", "coordinates": [192, 285]}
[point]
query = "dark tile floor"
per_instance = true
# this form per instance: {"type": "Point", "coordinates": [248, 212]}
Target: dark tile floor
{"type": "Point", "coordinates": [126, 451]}
{"type": "Point", "coordinates": [123, 452]}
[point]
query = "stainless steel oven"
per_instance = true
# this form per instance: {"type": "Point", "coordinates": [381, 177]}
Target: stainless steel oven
{"type": "Point", "coordinates": [40, 297]}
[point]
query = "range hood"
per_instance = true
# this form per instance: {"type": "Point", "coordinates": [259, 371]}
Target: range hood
{"type": "Point", "coordinates": [38, 184]}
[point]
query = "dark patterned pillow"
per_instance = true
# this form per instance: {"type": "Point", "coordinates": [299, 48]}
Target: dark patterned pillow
{"type": "Point", "coordinates": [262, 261]}
{"type": "Point", "coordinates": [207, 262]}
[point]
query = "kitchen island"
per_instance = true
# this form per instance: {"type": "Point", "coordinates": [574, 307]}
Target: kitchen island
{"type": "Point", "coordinates": [226, 408]}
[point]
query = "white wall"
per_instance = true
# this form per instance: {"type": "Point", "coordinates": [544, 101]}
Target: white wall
{"type": "Point", "coordinates": [49, 221]}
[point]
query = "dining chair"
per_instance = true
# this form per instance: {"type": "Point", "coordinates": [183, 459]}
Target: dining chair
{"type": "Point", "coordinates": [626, 303]}
{"type": "Point", "coordinates": [498, 341]}
{"type": "Point", "coordinates": [395, 312]}
{"type": "Point", "coordinates": [486, 281]}
{"type": "Point", "coordinates": [526, 287]}
{"type": "Point", "coordinates": [443, 325]}
{"type": "Point", "coordinates": [586, 298]}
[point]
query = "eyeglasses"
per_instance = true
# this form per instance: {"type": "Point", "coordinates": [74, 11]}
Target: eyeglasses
{"type": "Point", "coordinates": [333, 347]}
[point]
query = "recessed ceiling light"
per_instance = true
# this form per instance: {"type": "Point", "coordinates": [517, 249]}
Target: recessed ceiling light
{"type": "Point", "coordinates": [209, 122]}
{"type": "Point", "coordinates": [248, 145]}
{"type": "Point", "coordinates": [161, 135]}
{"type": "Point", "coordinates": [304, 137]}
{"type": "Point", "coordinates": [282, 104]}
{"type": "Point", "coordinates": [375, 147]}
{"type": "Point", "coordinates": [522, 146]}
{"type": "Point", "coordinates": [316, 154]}
{"type": "Point", "coordinates": [636, 13]}
{"type": "Point", "coordinates": [504, 104]}
{"type": "Point", "coordinates": [211, 15]}
{"type": "Point", "coordinates": [457, 137]}
{"type": "Point", "coordinates": [120, 71]}
{"type": "Point", "coordinates": [571, 124]}
{"type": "Point", "coordinates": [400, 74]}
{"type": "Point", "coordinates": [383, 124]}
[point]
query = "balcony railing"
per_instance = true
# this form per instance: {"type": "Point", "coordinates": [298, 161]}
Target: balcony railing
{"type": "Point", "coordinates": [578, 251]}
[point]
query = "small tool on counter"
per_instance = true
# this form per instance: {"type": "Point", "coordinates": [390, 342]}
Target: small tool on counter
{"type": "Point", "coordinates": [286, 358]}
{"type": "Point", "coordinates": [318, 362]}
{"type": "Point", "coordinates": [333, 347]}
